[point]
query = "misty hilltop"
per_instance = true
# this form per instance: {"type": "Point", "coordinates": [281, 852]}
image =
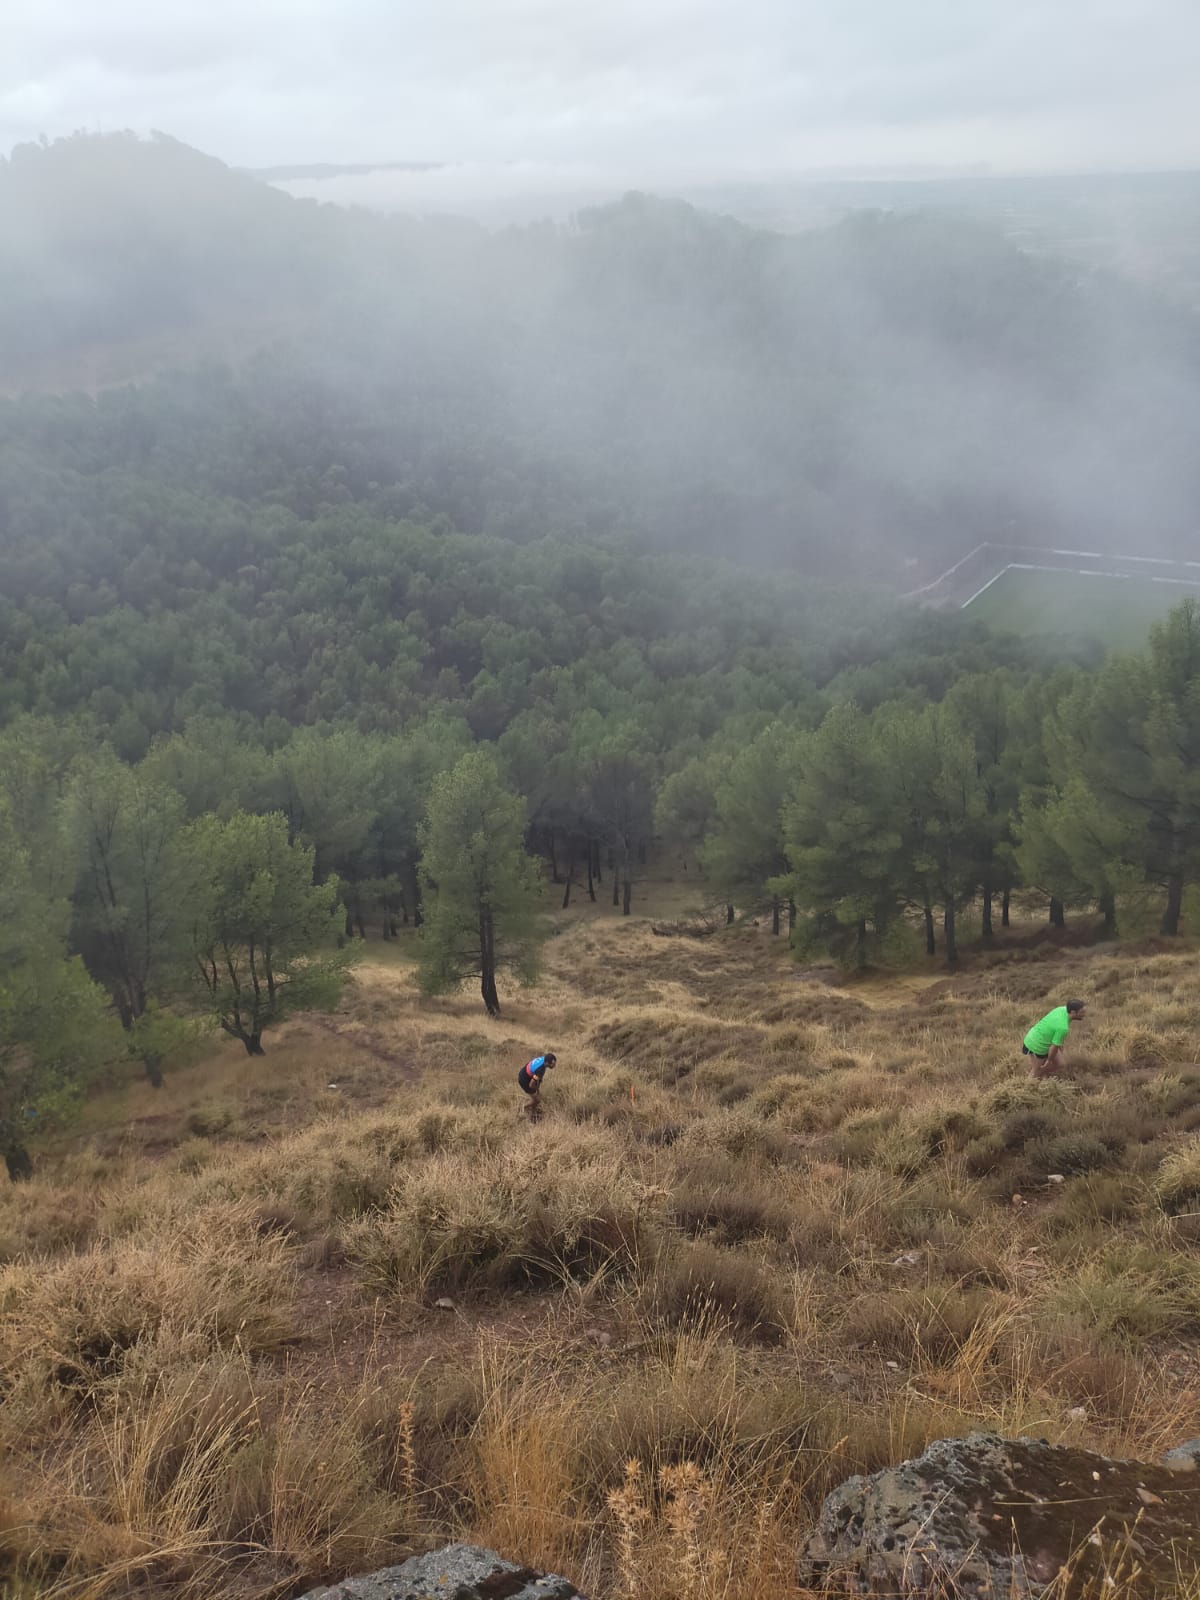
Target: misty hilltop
{"type": "Point", "coordinates": [895, 387]}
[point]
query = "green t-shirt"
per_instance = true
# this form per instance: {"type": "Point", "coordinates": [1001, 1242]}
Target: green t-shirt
{"type": "Point", "coordinates": [1051, 1030]}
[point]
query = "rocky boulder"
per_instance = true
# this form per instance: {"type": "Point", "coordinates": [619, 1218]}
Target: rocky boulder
{"type": "Point", "coordinates": [1002, 1519]}
{"type": "Point", "coordinates": [459, 1572]}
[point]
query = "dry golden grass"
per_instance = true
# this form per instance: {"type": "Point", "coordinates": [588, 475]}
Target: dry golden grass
{"type": "Point", "coordinates": [774, 1229]}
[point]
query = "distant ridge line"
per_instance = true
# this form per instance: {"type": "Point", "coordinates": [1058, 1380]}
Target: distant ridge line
{"type": "Point", "coordinates": [321, 170]}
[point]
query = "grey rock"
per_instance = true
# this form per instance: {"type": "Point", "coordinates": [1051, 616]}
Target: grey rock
{"type": "Point", "coordinates": [1002, 1519]}
{"type": "Point", "coordinates": [1184, 1457]}
{"type": "Point", "coordinates": [459, 1572]}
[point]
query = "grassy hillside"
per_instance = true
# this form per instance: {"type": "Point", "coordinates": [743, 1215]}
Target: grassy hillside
{"type": "Point", "coordinates": [1117, 612]}
{"type": "Point", "coordinates": [291, 1318]}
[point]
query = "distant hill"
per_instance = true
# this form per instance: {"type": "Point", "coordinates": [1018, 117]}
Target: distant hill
{"type": "Point", "coordinates": [892, 389]}
{"type": "Point", "coordinates": [1144, 226]}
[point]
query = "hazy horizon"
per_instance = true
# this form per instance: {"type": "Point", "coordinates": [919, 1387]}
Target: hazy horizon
{"type": "Point", "coordinates": [660, 91]}
{"type": "Point", "coordinates": [501, 192]}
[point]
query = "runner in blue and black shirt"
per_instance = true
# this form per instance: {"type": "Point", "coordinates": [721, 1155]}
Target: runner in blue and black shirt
{"type": "Point", "coordinates": [530, 1079]}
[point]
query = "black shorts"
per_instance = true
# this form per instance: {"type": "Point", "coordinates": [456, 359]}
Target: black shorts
{"type": "Point", "coordinates": [1026, 1051]}
{"type": "Point", "coordinates": [529, 1084]}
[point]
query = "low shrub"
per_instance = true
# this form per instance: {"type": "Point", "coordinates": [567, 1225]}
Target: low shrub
{"type": "Point", "coordinates": [214, 1280]}
{"type": "Point", "coordinates": [729, 1206]}
{"type": "Point", "coordinates": [793, 1039]}
{"type": "Point", "coordinates": [1102, 1197]}
{"type": "Point", "coordinates": [736, 1131]}
{"type": "Point", "coordinates": [914, 1324]}
{"type": "Point", "coordinates": [1069, 1154]}
{"type": "Point", "coordinates": [1177, 1187]}
{"type": "Point", "coordinates": [1021, 1127]}
{"type": "Point", "coordinates": [1137, 1293]}
{"type": "Point", "coordinates": [1044, 1095]}
{"type": "Point", "coordinates": [983, 1157]}
{"type": "Point", "coordinates": [1086, 1369]}
{"type": "Point", "coordinates": [455, 1224]}
{"type": "Point", "coordinates": [697, 1282]}
{"type": "Point", "coordinates": [1144, 1048]}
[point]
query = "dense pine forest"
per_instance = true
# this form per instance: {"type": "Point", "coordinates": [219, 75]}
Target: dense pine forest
{"type": "Point", "coordinates": [475, 526]}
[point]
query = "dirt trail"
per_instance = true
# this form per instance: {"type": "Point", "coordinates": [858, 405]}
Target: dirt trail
{"type": "Point", "coordinates": [360, 1037]}
{"type": "Point", "coordinates": [883, 990]}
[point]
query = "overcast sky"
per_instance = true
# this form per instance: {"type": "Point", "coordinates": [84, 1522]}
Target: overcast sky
{"type": "Point", "coordinates": [643, 88]}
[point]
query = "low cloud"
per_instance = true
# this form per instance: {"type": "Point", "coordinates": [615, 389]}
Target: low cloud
{"type": "Point", "coordinates": [635, 86]}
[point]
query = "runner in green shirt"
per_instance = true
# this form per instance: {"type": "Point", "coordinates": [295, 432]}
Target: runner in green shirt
{"type": "Point", "coordinates": [1045, 1040]}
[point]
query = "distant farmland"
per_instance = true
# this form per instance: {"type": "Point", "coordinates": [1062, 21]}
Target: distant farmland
{"type": "Point", "coordinates": [1074, 593]}
{"type": "Point", "coordinates": [1117, 611]}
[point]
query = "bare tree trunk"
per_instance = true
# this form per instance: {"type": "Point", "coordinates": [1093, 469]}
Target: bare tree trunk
{"type": "Point", "coordinates": [1058, 916]}
{"type": "Point", "coordinates": [18, 1161]}
{"type": "Point", "coordinates": [555, 876]}
{"type": "Point", "coordinates": [1004, 908]}
{"type": "Point", "coordinates": [1108, 905]}
{"type": "Point", "coordinates": [627, 898]}
{"type": "Point", "coordinates": [729, 913]}
{"type": "Point", "coordinates": [930, 935]}
{"type": "Point", "coordinates": [791, 905]}
{"type": "Point", "coordinates": [152, 1062]}
{"type": "Point", "coordinates": [616, 877]}
{"type": "Point", "coordinates": [775, 913]}
{"type": "Point", "coordinates": [591, 855]}
{"type": "Point", "coordinates": [253, 1043]}
{"type": "Point", "coordinates": [412, 894]}
{"type": "Point", "coordinates": [1174, 907]}
{"type": "Point", "coordinates": [487, 963]}
{"type": "Point", "coordinates": [951, 937]}
{"type": "Point", "coordinates": [566, 899]}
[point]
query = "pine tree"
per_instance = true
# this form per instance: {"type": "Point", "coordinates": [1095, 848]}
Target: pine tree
{"type": "Point", "coordinates": [481, 888]}
{"type": "Point", "coordinates": [745, 853]}
{"type": "Point", "coordinates": [124, 828]}
{"type": "Point", "coordinates": [1073, 848]}
{"type": "Point", "coordinates": [54, 1022]}
{"type": "Point", "coordinates": [940, 796]}
{"type": "Point", "coordinates": [254, 928]}
{"type": "Point", "coordinates": [1132, 737]}
{"type": "Point", "coordinates": [839, 826]}
{"type": "Point", "coordinates": [983, 704]}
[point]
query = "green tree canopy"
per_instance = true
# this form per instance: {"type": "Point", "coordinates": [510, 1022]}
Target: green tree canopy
{"type": "Point", "coordinates": [54, 1022]}
{"type": "Point", "coordinates": [124, 828]}
{"type": "Point", "coordinates": [745, 852]}
{"type": "Point", "coordinates": [481, 890]}
{"type": "Point", "coordinates": [941, 801]}
{"type": "Point", "coordinates": [840, 827]}
{"type": "Point", "coordinates": [1131, 736]}
{"type": "Point", "coordinates": [255, 928]}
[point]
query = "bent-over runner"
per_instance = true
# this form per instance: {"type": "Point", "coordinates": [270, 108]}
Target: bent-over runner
{"type": "Point", "coordinates": [1045, 1040]}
